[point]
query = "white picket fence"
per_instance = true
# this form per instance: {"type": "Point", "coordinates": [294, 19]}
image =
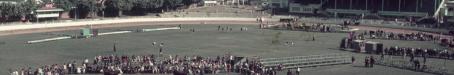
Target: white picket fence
{"type": "Point", "coordinates": [307, 61]}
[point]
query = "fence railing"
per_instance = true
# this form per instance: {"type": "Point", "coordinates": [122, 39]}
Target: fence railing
{"type": "Point", "coordinates": [299, 57]}
{"type": "Point", "coordinates": [306, 61]}
{"type": "Point", "coordinates": [399, 62]}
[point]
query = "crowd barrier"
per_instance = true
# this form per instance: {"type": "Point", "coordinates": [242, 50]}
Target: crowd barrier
{"type": "Point", "coordinates": [306, 61]}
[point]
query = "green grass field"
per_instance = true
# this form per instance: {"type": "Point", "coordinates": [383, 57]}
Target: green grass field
{"type": "Point", "coordinates": [206, 41]}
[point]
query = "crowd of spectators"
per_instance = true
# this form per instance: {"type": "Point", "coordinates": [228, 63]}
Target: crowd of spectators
{"type": "Point", "coordinates": [253, 67]}
{"type": "Point", "coordinates": [419, 52]}
{"type": "Point", "coordinates": [447, 42]}
{"type": "Point", "coordinates": [113, 65]}
{"type": "Point", "coordinates": [380, 34]}
{"type": "Point", "coordinates": [151, 64]}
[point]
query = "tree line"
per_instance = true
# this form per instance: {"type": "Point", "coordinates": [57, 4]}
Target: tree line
{"type": "Point", "coordinates": [84, 8]}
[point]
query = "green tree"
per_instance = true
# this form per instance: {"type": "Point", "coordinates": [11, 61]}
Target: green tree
{"type": "Point", "coordinates": [149, 4]}
{"type": "Point", "coordinates": [10, 9]}
{"type": "Point", "coordinates": [4, 9]}
{"type": "Point", "coordinates": [29, 6]}
{"type": "Point", "coordinates": [172, 4]}
{"type": "Point", "coordinates": [157, 5]}
{"type": "Point", "coordinates": [89, 6]}
{"type": "Point", "coordinates": [66, 5]}
{"type": "Point", "coordinates": [120, 5]}
{"type": "Point", "coordinates": [101, 7]}
{"type": "Point", "coordinates": [45, 1]}
{"type": "Point", "coordinates": [189, 2]}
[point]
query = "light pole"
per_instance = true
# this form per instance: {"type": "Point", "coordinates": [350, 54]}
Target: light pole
{"type": "Point", "coordinates": [75, 12]}
{"type": "Point", "coordinates": [444, 63]}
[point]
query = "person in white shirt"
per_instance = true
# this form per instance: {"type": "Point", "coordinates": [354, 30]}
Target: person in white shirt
{"type": "Point", "coordinates": [79, 70]}
{"type": "Point", "coordinates": [119, 69]}
{"type": "Point", "coordinates": [86, 61]}
{"type": "Point", "coordinates": [84, 67]}
{"type": "Point", "coordinates": [65, 67]}
{"type": "Point", "coordinates": [298, 71]}
{"type": "Point", "coordinates": [40, 71]}
{"type": "Point", "coordinates": [15, 73]}
{"type": "Point", "coordinates": [49, 73]}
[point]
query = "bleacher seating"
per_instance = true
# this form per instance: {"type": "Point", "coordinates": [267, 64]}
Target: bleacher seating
{"type": "Point", "coordinates": [306, 61]}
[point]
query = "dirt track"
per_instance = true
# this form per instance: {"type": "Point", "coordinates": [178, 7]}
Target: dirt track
{"type": "Point", "coordinates": [40, 30]}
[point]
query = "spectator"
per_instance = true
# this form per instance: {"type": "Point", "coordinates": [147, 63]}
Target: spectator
{"type": "Point", "coordinates": [372, 61]}
{"type": "Point", "coordinates": [298, 71]}
{"type": "Point", "coordinates": [289, 72]}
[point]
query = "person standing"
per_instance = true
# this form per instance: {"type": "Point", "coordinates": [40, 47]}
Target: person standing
{"type": "Point", "coordinates": [417, 65]}
{"type": "Point", "coordinates": [161, 45]}
{"type": "Point", "coordinates": [366, 62]}
{"type": "Point", "coordinates": [353, 60]}
{"type": "Point", "coordinates": [179, 26]}
{"type": "Point", "coordinates": [161, 48]}
{"type": "Point", "coordinates": [313, 37]}
{"type": "Point", "coordinates": [382, 56]}
{"type": "Point", "coordinates": [372, 61]}
{"type": "Point", "coordinates": [298, 71]}
{"type": "Point", "coordinates": [289, 72]}
{"type": "Point", "coordinates": [115, 47]}
{"type": "Point", "coordinates": [154, 43]}
{"type": "Point", "coordinates": [10, 71]}
{"type": "Point", "coordinates": [227, 28]}
{"type": "Point", "coordinates": [219, 27]}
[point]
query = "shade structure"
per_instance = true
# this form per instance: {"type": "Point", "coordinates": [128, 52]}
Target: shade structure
{"type": "Point", "coordinates": [357, 46]}
{"type": "Point", "coordinates": [373, 47]}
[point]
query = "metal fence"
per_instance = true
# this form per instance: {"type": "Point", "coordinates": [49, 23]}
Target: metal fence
{"type": "Point", "coordinates": [306, 61]}
{"type": "Point", "coordinates": [438, 68]}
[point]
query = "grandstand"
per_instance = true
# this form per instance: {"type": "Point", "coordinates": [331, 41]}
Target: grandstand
{"type": "Point", "coordinates": [445, 11]}
{"type": "Point", "coordinates": [434, 12]}
{"type": "Point", "coordinates": [416, 8]}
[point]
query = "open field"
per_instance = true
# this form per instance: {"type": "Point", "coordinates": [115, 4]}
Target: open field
{"type": "Point", "coordinates": [206, 41]}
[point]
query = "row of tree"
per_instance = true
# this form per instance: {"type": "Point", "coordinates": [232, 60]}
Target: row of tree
{"type": "Point", "coordinates": [15, 10]}
{"type": "Point", "coordinates": [117, 7]}
{"type": "Point", "coordinates": [95, 7]}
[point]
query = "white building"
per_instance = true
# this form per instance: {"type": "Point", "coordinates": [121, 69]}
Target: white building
{"type": "Point", "coordinates": [299, 8]}
{"type": "Point", "coordinates": [279, 3]}
{"type": "Point", "coordinates": [210, 3]}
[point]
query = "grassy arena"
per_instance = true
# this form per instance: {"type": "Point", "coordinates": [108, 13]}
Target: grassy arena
{"type": "Point", "coordinates": [206, 41]}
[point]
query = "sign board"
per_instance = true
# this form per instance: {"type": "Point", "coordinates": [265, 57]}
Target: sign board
{"type": "Point", "coordinates": [86, 32]}
{"type": "Point", "coordinates": [210, 2]}
{"type": "Point", "coordinates": [47, 15]}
